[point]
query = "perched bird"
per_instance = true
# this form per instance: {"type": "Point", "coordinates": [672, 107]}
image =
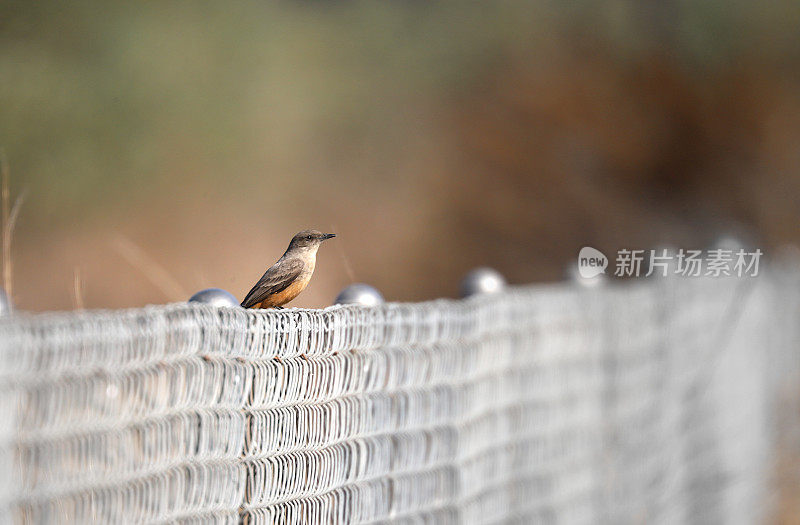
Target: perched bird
{"type": "Point", "coordinates": [285, 279]}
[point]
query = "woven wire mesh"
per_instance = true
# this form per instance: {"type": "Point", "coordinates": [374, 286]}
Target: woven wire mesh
{"type": "Point", "coordinates": [645, 402]}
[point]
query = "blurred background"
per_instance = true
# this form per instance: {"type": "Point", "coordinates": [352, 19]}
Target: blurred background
{"type": "Point", "coordinates": [162, 148]}
{"type": "Point", "coordinates": [167, 147]}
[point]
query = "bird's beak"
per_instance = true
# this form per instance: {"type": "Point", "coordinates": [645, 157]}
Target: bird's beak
{"type": "Point", "coordinates": [327, 236]}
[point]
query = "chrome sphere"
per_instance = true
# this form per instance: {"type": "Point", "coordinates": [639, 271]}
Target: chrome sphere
{"type": "Point", "coordinates": [573, 274]}
{"type": "Point", "coordinates": [482, 281]}
{"type": "Point", "coordinates": [214, 297]}
{"type": "Point", "coordinates": [359, 293]}
{"type": "Point", "coordinates": [730, 241]}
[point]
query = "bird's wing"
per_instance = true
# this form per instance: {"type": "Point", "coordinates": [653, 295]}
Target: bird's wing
{"type": "Point", "coordinates": [276, 279]}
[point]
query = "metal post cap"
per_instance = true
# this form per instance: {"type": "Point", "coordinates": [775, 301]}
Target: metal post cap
{"type": "Point", "coordinates": [214, 297]}
{"type": "Point", "coordinates": [482, 281]}
{"type": "Point", "coordinates": [729, 241]}
{"type": "Point", "coordinates": [359, 293]}
{"type": "Point", "coordinates": [573, 274]}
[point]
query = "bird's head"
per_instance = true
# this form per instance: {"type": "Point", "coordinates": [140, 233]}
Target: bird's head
{"type": "Point", "coordinates": [309, 239]}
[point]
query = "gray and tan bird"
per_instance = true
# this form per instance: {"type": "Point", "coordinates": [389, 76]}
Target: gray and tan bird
{"type": "Point", "coordinates": [285, 279]}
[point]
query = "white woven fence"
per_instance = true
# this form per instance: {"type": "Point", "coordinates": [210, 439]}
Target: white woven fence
{"type": "Point", "coordinates": [651, 401]}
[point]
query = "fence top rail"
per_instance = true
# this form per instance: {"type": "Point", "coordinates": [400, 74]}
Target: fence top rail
{"type": "Point", "coordinates": [60, 342]}
{"type": "Point", "coordinates": [52, 343]}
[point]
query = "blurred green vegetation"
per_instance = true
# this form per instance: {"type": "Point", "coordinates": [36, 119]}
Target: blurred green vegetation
{"type": "Point", "coordinates": [435, 136]}
{"type": "Point", "coordinates": [104, 102]}
{"type": "Point", "coordinates": [101, 99]}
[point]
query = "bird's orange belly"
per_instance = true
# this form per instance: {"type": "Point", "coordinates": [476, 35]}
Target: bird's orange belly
{"type": "Point", "coordinates": [285, 295]}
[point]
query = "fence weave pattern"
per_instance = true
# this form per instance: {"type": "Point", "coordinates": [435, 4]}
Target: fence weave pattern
{"type": "Point", "coordinates": [554, 404]}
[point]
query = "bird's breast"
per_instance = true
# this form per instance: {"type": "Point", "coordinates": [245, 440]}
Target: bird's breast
{"type": "Point", "coordinates": [309, 266]}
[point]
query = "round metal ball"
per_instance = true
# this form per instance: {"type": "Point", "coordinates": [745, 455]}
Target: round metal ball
{"type": "Point", "coordinates": [214, 297]}
{"type": "Point", "coordinates": [573, 274]}
{"type": "Point", "coordinates": [730, 242]}
{"type": "Point", "coordinates": [5, 303]}
{"type": "Point", "coordinates": [482, 281]}
{"type": "Point", "coordinates": [359, 293]}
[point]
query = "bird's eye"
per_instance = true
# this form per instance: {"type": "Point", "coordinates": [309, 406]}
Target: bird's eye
{"type": "Point", "coordinates": [309, 237]}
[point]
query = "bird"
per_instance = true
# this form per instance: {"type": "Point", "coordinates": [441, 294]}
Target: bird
{"type": "Point", "coordinates": [289, 276]}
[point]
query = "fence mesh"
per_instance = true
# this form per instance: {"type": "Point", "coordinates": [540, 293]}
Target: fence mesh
{"type": "Point", "coordinates": [652, 401]}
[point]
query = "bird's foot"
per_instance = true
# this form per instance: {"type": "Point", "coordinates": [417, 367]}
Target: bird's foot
{"type": "Point", "coordinates": [304, 357]}
{"type": "Point", "coordinates": [278, 359]}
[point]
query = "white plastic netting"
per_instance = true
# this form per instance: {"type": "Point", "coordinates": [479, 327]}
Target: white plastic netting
{"type": "Point", "coordinates": [651, 401]}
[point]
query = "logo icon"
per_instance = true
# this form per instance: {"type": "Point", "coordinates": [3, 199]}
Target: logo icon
{"type": "Point", "coordinates": [591, 262]}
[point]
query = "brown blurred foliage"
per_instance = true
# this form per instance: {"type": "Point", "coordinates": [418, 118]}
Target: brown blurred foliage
{"type": "Point", "coordinates": [432, 137]}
